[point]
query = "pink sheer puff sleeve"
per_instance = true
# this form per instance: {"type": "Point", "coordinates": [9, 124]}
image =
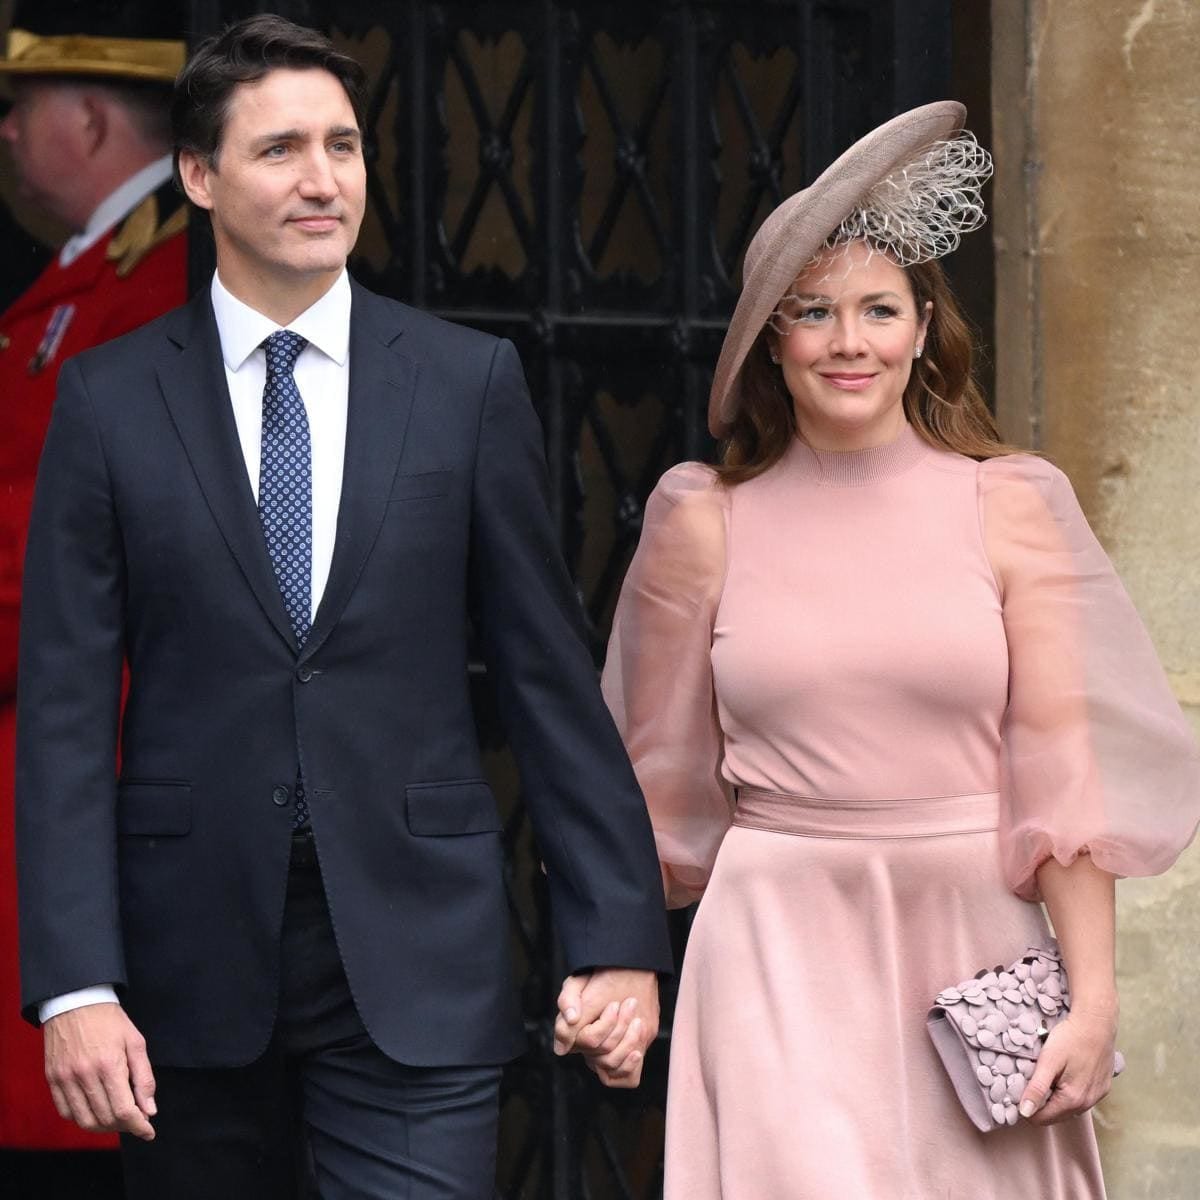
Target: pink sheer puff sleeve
{"type": "Point", "coordinates": [658, 675]}
{"type": "Point", "coordinates": [1096, 756]}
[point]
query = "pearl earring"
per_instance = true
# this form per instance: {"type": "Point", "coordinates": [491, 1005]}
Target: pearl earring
{"type": "Point", "coordinates": [917, 351]}
{"type": "Point", "coordinates": [775, 358]}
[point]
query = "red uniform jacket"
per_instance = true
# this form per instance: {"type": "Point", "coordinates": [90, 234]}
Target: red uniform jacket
{"type": "Point", "coordinates": [96, 298]}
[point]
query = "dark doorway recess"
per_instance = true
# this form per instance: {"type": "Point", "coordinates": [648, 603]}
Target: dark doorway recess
{"type": "Point", "coordinates": [583, 178]}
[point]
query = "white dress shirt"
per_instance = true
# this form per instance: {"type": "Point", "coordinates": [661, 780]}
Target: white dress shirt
{"type": "Point", "coordinates": [116, 206]}
{"type": "Point", "coordinates": [322, 375]}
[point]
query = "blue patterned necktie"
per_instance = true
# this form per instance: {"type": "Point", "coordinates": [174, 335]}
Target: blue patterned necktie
{"type": "Point", "coordinates": [285, 494]}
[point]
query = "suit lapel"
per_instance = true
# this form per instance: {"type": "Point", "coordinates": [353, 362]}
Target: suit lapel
{"type": "Point", "coordinates": [193, 385]}
{"type": "Point", "coordinates": [382, 383]}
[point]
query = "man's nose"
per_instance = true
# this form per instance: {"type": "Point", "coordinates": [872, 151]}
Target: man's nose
{"type": "Point", "coordinates": [318, 181]}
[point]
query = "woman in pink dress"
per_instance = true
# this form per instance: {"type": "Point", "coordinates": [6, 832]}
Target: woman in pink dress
{"type": "Point", "coordinates": [884, 694]}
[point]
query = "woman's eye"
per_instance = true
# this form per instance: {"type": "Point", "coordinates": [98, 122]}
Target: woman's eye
{"type": "Point", "coordinates": [882, 311]}
{"type": "Point", "coordinates": [815, 313]}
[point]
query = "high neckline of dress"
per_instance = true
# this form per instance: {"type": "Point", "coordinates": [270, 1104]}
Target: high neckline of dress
{"type": "Point", "coordinates": [856, 468]}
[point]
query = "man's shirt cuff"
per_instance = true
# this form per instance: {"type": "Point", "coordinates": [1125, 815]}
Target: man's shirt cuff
{"type": "Point", "coordinates": [57, 1005]}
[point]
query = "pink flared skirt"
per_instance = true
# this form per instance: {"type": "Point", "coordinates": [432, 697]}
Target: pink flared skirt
{"type": "Point", "coordinates": [800, 1064]}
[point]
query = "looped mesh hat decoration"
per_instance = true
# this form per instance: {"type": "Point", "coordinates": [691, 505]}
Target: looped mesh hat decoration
{"type": "Point", "coordinates": [910, 188]}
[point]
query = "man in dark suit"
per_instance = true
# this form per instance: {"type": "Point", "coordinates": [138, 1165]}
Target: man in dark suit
{"type": "Point", "coordinates": [277, 505]}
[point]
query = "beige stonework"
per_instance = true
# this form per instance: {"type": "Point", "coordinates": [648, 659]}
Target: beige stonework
{"type": "Point", "coordinates": [1096, 110]}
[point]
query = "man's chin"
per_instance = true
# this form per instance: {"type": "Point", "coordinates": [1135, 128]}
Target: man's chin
{"type": "Point", "coordinates": [326, 260]}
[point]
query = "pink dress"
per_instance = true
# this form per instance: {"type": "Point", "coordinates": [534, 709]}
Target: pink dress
{"type": "Point", "coordinates": [859, 745]}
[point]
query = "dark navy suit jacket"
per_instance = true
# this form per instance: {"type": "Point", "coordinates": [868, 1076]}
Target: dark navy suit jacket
{"type": "Point", "coordinates": [145, 547]}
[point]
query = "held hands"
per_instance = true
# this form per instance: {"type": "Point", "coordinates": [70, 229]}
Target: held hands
{"type": "Point", "coordinates": [611, 1017]}
{"type": "Point", "coordinates": [98, 1071]}
{"type": "Point", "coordinates": [1075, 1068]}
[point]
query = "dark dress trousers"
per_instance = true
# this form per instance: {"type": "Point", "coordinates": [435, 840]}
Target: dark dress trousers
{"type": "Point", "coordinates": [170, 881]}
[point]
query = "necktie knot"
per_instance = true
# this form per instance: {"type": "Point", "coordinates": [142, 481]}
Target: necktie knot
{"type": "Point", "coordinates": [283, 348]}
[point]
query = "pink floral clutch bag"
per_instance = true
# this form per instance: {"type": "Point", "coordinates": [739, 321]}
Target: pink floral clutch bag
{"type": "Point", "coordinates": [989, 1032]}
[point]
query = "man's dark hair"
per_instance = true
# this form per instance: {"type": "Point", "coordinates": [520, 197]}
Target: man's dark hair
{"type": "Point", "coordinates": [246, 52]}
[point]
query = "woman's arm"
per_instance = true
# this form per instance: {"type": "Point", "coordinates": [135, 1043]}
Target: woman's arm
{"type": "Point", "coordinates": [1075, 1069]}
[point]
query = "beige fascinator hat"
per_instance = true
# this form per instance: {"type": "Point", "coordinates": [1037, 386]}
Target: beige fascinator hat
{"type": "Point", "coordinates": [910, 188]}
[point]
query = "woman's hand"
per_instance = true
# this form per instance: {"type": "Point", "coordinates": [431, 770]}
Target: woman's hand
{"type": "Point", "coordinates": [1075, 1068]}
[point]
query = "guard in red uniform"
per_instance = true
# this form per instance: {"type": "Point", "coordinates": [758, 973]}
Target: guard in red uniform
{"type": "Point", "coordinates": [89, 136]}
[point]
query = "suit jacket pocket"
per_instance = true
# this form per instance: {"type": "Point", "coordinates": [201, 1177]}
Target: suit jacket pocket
{"type": "Point", "coordinates": [452, 808]}
{"type": "Point", "coordinates": [154, 809]}
{"type": "Point", "coordinates": [424, 486]}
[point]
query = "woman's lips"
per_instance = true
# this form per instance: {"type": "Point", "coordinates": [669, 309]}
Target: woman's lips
{"type": "Point", "coordinates": [849, 383]}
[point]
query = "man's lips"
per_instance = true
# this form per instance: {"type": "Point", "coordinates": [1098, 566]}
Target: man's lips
{"type": "Point", "coordinates": [316, 224]}
{"type": "Point", "coordinates": [848, 381]}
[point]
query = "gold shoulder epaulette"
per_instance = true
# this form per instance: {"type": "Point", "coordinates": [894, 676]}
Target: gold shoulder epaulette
{"type": "Point", "coordinates": [141, 232]}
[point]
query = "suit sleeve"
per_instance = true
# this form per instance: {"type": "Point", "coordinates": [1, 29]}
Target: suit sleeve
{"type": "Point", "coordinates": [68, 699]}
{"type": "Point", "coordinates": [589, 817]}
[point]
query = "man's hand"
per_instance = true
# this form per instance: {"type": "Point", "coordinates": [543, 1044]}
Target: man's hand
{"type": "Point", "coordinates": [611, 1017]}
{"type": "Point", "coordinates": [98, 1071]}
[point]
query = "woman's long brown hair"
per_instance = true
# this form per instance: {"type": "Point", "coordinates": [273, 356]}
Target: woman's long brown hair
{"type": "Point", "coordinates": [943, 402]}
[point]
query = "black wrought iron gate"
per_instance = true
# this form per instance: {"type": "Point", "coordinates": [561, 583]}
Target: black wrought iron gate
{"type": "Point", "coordinates": [584, 178]}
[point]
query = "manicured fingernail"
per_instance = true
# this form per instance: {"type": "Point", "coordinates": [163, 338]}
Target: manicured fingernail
{"type": "Point", "coordinates": [1028, 1108]}
{"type": "Point", "coordinates": [151, 1107]}
{"type": "Point", "coordinates": [572, 1014]}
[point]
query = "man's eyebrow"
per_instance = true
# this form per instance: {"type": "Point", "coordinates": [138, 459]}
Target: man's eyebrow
{"type": "Point", "coordinates": [280, 135]}
{"type": "Point", "coordinates": [299, 135]}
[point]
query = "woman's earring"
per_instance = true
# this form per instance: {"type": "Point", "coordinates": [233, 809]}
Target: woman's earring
{"type": "Point", "coordinates": [775, 358]}
{"type": "Point", "coordinates": [917, 351]}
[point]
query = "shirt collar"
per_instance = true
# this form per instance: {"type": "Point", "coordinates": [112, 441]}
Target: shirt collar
{"type": "Point", "coordinates": [115, 206]}
{"type": "Point", "coordinates": [242, 329]}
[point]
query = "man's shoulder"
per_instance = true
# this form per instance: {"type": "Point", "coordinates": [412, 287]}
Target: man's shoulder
{"type": "Point", "coordinates": [140, 348]}
{"type": "Point", "coordinates": [426, 332]}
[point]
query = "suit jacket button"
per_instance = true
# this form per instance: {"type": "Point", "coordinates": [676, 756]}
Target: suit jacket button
{"type": "Point", "coordinates": [304, 674]}
{"type": "Point", "coordinates": [280, 796]}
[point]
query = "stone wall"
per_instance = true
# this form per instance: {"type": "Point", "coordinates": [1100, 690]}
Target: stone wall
{"type": "Point", "coordinates": [1096, 117]}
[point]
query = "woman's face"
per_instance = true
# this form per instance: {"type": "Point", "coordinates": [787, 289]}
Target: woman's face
{"type": "Point", "coordinates": [845, 336]}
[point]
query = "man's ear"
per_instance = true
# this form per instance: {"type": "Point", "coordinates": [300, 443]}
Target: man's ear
{"type": "Point", "coordinates": [94, 118]}
{"type": "Point", "coordinates": [194, 172]}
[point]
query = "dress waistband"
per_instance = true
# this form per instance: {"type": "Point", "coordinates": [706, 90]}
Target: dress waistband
{"type": "Point", "coordinates": [811, 816]}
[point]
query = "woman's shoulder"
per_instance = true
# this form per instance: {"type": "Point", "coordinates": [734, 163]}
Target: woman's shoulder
{"type": "Point", "coordinates": [691, 485]}
{"type": "Point", "coordinates": [1022, 471]}
{"type": "Point", "coordinates": [1022, 493]}
{"type": "Point", "coordinates": [688, 478]}
{"type": "Point", "coordinates": [686, 515]}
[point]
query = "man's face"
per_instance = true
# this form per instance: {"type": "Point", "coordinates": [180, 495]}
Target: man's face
{"type": "Point", "coordinates": [287, 190]}
{"type": "Point", "coordinates": [46, 134]}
